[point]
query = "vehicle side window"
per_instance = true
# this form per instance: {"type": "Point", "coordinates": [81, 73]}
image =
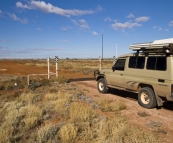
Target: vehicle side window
{"type": "Point", "coordinates": [132, 62]}
{"type": "Point", "coordinates": [120, 64]}
{"type": "Point", "coordinates": [156, 63]}
{"type": "Point", "coordinates": [161, 63]}
{"type": "Point", "coordinates": [137, 62]}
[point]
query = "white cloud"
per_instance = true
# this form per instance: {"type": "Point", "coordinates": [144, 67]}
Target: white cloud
{"type": "Point", "coordinates": [166, 30]}
{"type": "Point", "coordinates": [48, 49]}
{"type": "Point", "coordinates": [74, 22]}
{"type": "Point", "coordinates": [160, 28]}
{"type": "Point", "coordinates": [126, 25]}
{"type": "Point", "coordinates": [171, 23]}
{"type": "Point", "coordinates": [130, 16]}
{"type": "Point", "coordinates": [142, 19]}
{"type": "Point", "coordinates": [0, 12]}
{"type": "Point", "coordinates": [65, 28]}
{"type": "Point", "coordinates": [39, 29]}
{"type": "Point", "coordinates": [20, 5]}
{"type": "Point", "coordinates": [14, 17]}
{"type": "Point", "coordinates": [95, 33]}
{"type": "Point", "coordinates": [99, 8]}
{"type": "Point", "coordinates": [49, 8]}
{"type": "Point", "coordinates": [125, 33]}
{"type": "Point", "coordinates": [81, 23]}
{"type": "Point", "coordinates": [65, 41]}
{"type": "Point", "coordinates": [107, 19]}
{"type": "Point", "coordinates": [157, 28]}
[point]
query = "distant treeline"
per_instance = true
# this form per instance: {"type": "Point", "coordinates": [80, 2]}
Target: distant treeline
{"type": "Point", "coordinates": [107, 59]}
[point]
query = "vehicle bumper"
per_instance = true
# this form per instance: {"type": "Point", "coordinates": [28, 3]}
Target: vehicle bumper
{"type": "Point", "coordinates": [169, 97]}
{"type": "Point", "coordinates": [96, 72]}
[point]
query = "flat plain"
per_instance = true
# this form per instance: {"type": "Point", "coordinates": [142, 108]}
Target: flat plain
{"type": "Point", "coordinates": [70, 109]}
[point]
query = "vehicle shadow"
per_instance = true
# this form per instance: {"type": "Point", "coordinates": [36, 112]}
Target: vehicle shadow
{"type": "Point", "coordinates": [134, 96]}
{"type": "Point", "coordinates": [168, 105]}
{"type": "Point", "coordinates": [125, 94]}
{"type": "Point", "coordinates": [80, 79]}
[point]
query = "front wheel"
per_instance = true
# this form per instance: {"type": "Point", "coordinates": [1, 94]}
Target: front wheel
{"type": "Point", "coordinates": [146, 98]}
{"type": "Point", "coordinates": [101, 85]}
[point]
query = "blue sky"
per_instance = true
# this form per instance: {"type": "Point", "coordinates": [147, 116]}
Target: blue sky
{"type": "Point", "coordinates": [74, 28]}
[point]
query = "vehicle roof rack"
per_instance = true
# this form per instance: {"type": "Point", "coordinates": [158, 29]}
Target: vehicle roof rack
{"type": "Point", "coordinates": [164, 46]}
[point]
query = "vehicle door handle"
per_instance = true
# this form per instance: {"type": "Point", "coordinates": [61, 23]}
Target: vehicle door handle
{"type": "Point", "coordinates": [121, 74]}
{"type": "Point", "coordinates": [161, 80]}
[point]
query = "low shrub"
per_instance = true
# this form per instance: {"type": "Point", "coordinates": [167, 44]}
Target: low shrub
{"type": "Point", "coordinates": [79, 111]}
{"type": "Point", "coordinates": [110, 105]}
{"type": "Point", "coordinates": [33, 117]}
{"type": "Point", "coordinates": [62, 79]}
{"type": "Point", "coordinates": [46, 132]}
{"type": "Point", "coordinates": [51, 96]}
{"type": "Point", "coordinates": [68, 132]}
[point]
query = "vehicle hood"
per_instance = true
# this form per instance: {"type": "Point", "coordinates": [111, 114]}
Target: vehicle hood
{"type": "Point", "coordinates": [103, 71]}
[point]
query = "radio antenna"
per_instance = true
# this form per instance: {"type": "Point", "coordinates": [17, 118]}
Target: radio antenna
{"type": "Point", "coordinates": [102, 47]}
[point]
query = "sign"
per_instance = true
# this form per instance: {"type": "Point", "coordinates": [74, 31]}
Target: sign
{"type": "Point", "coordinates": [114, 58]}
{"type": "Point", "coordinates": [56, 59]}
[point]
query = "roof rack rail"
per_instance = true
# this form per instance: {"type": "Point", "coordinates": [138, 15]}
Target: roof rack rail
{"type": "Point", "coordinates": [164, 46]}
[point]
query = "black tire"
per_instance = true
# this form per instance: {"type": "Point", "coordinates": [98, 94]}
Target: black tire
{"type": "Point", "coordinates": [102, 86]}
{"type": "Point", "coordinates": [146, 98]}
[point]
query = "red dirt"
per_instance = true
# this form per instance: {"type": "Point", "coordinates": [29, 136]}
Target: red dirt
{"type": "Point", "coordinates": [10, 67]}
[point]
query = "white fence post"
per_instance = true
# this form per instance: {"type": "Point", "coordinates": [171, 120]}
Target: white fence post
{"type": "Point", "coordinates": [56, 60]}
{"type": "Point", "coordinates": [28, 80]}
{"type": "Point", "coordinates": [48, 67]}
{"type": "Point", "coordinates": [100, 60]}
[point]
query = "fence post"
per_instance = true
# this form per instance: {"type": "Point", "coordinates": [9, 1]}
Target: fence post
{"type": "Point", "coordinates": [28, 80]}
{"type": "Point", "coordinates": [48, 68]}
{"type": "Point", "coordinates": [100, 60]}
{"type": "Point", "coordinates": [56, 60]}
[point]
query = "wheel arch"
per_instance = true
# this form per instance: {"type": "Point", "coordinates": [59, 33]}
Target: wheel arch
{"type": "Point", "coordinates": [141, 85]}
{"type": "Point", "coordinates": [100, 76]}
{"type": "Point", "coordinates": [158, 99]}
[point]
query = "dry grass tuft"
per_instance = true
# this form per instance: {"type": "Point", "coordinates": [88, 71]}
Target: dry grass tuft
{"type": "Point", "coordinates": [33, 116]}
{"type": "Point", "coordinates": [143, 114]}
{"type": "Point", "coordinates": [64, 95]}
{"type": "Point", "coordinates": [81, 112]}
{"type": "Point", "coordinates": [62, 106]}
{"type": "Point", "coordinates": [135, 134]}
{"type": "Point", "coordinates": [86, 132]}
{"type": "Point", "coordinates": [109, 129]}
{"type": "Point", "coordinates": [118, 130]}
{"type": "Point", "coordinates": [51, 96]}
{"type": "Point", "coordinates": [68, 132]}
{"type": "Point", "coordinates": [46, 132]}
{"type": "Point", "coordinates": [110, 105]}
{"type": "Point", "coordinates": [5, 134]}
{"type": "Point", "coordinates": [28, 98]}
{"type": "Point", "coordinates": [62, 79]}
{"type": "Point", "coordinates": [60, 101]}
{"type": "Point", "coordinates": [117, 106]}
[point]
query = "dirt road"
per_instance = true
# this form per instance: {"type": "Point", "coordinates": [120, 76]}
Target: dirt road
{"type": "Point", "coordinates": [156, 120]}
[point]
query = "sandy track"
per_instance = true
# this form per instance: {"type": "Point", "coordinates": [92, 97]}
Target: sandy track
{"type": "Point", "coordinates": [161, 118]}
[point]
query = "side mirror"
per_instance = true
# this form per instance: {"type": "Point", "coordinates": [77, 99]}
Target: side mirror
{"type": "Point", "coordinates": [113, 68]}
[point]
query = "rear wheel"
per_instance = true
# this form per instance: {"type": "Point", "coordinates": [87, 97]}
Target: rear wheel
{"type": "Point", "coordinates": [101, 85]}
{"type": "Point", "coordinates": [146, 98]}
